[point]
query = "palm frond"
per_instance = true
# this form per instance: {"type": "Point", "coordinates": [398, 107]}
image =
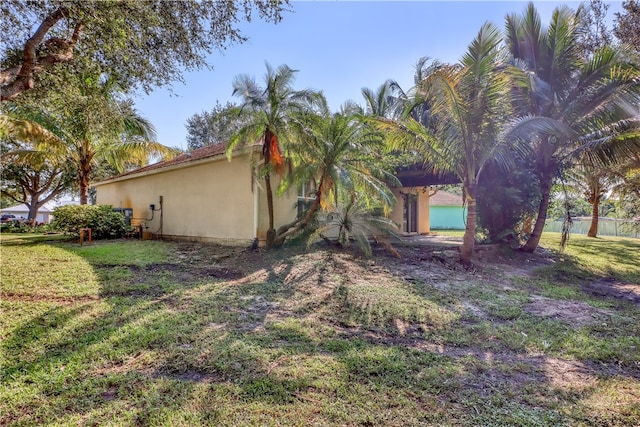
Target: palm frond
{"type": "Point", "coordinates": [524, 128]}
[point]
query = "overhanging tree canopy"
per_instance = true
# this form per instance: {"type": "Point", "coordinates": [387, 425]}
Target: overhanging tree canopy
{"type": "Point", "coordinates": [88, 123]}
{"type": "Point", "coordinates": [144, 43]}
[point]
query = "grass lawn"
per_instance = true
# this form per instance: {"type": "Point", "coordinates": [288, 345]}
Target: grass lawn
{"type": "Point", "coordinates": [182, 334]}
{"type": "Point", "coordinates": [452, 233]}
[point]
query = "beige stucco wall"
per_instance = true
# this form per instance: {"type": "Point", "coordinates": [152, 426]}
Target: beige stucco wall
{"type": "Point", "coordinates": [284, 207]}
{"type": "Point", "coordinates": [423, 208]}
{"type": "Point", "coordinates": [398, 209]}
{"type": "Point", "coordinates": [212, 200]}
{"type": "Point", "coordinates": [424, 224]}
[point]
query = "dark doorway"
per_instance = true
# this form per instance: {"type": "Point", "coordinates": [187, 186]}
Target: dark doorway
{"type": "Point", "coordinates": [410, 219]}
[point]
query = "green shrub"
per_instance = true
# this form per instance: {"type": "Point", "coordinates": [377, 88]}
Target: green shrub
{"type": "Point", "coordinates": [103, 222]}
{"type": "Point", "coordinates": [16, 227]}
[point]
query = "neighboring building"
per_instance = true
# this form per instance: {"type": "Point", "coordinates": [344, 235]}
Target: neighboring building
{"type": "Point", "coordinates": [199, 195]}
{"type": "Point", "coordinates": [45, 213]}
{"type": "Point", "coordinates": [22, 212]}
{"type": "Point", "coordinates": [447, 211]}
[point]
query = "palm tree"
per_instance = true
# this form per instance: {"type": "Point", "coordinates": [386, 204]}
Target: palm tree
{"type": "Point", "coordinates": [268, 112]}
{"type": "Point", "coordinates": [338, 153]}
{"type": "Point", "coordinates": [34, 181]}
{"type": "Point", "coordinates": [627, 191]}
{"type": "Point", "coordinates": [383, 101]}
{"type": "Point", "coordinates": [353, 219]}
{"type": "Point", "coordinates": [568, 105]}
{"type": "Point", "coordinates": [461, 131]}
{"type": "Point", "coordinates": [92, 125]}
{"type": "Point", "coordinates": [591, 182]}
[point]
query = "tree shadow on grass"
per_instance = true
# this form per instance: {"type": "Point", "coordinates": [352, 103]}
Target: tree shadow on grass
{"type": "Point", "coordinates": [619, 282]}
{"type": "Point", "coordinates": [223, 342]}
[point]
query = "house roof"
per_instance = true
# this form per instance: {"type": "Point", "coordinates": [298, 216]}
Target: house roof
{"type": "Point", "coordinates": [24, 208]}
{"type": "Point", "coordinates": [443, 198]}
{"type": "Point", "coordinates": [183, 159]}
{"type": "Point", "coordinates": [190, 156]}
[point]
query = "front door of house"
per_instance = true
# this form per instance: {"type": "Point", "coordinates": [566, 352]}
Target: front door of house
{"type": "Point", "coordinates": [410, 217]}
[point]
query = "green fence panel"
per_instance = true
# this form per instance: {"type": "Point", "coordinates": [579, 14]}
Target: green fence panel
{"type": "Point", "coordinates": [609, 227]}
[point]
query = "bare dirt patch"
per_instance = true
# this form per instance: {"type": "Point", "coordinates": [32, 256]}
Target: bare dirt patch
{"type": "Point", "coordinates": [611, 288]}
{"type": "Point", "coordinates": [58, 300]}
{"type": "Point", "coordinates": [568, 374]}
{"type": "Point", "coordinates": [574, 312]}
{"type": "Point", "coordinates": [195, 274]}
{"type": "Point", "coordinates": [185, 273]}
{"type": "Point", "coordinates": [192, 376]}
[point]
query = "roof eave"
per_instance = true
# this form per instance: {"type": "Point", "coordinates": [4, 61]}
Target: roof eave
{"type": "Point", "coordinates": [188, 163]}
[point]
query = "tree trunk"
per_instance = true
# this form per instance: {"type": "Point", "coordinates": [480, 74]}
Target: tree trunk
{"type": "Point", "coordinates": [33, 212]}
{"type": "Point", "coordinates": [84, 173]}
{"type": "Point", "coordinates": [271, 232]}
{"type": "Point", "coordinates": [469, 239]}
{"type": "Point", "coordinates": [17, 79]}
{"type": "Point", "coordinates": [534, 239]}
{"type": "Point", "coordinates": [83, 182]}
{"type": "Point", "coordinates": [527, 224]}
{"type": "Point", "coordinates": [289, 229]}
{"type": "Point", "coordinates": [593, 229]}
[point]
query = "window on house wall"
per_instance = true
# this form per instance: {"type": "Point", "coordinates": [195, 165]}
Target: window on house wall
{"type": "Point", "coordinates": [306, 196]}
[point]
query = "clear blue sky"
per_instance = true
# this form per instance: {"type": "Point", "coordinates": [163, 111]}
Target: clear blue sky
{"type": "Point", "coordinates": [338, 47]}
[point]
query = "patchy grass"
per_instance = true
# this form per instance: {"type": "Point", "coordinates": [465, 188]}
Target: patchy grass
{"type": "Point", "coordinates": [451, 233]}
{"type": "Point", "coordinates": [158, 333]}
{"type": "Point", "coordinates": [28, 238]}
{"type": "Point", "coordinates": [611, 258]}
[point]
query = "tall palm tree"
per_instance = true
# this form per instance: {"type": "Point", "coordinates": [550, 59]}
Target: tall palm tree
{"type": "Point", "coordinates": [461, 131]}
{"type": "Point", "coordinates": [268, 111]}
{"type": "Point", "coordinates": [338, 153]}
{"type": "Point", "coordinates": [569, 105]}
{"type": "Point", "coordinates": [91, 125]}
{"type": "Point", "coordinates": [381, 102]}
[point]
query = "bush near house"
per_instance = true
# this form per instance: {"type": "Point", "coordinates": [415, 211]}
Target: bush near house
{"type": "Point", "coordinates": [101, 219]}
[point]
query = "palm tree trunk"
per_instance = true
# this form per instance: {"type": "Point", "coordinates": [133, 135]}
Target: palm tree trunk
{"type": "Point", "coordinates": [83, 182]}
{"type": "Point", "coordinates": [469, 239]}
{"type": "Point", "coordinates": [271, 232]}
{"type": "Point", "coordinates": [84, 172]}
{"type": "Point", "coordinates": [527, 224]}
{"type": "Point", "coordinates": [593, 229]}
{"type": "Point", "coordinates": [267, 152]}
{"type": "Point", "coordinates": [289, 229]}
{"type": "Point", "coordinates": [534, 239]}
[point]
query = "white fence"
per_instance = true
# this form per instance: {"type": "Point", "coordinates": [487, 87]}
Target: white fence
{"type": "Point", "coordinates": [606, 227]}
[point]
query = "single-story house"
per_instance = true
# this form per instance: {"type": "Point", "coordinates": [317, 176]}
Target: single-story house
{"type": "Point", "coordinates": [447, 211]}
{"type": "Point", "coordinates": [201, 195]}
{"type": "Point", "coordinates": [22, 211]}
